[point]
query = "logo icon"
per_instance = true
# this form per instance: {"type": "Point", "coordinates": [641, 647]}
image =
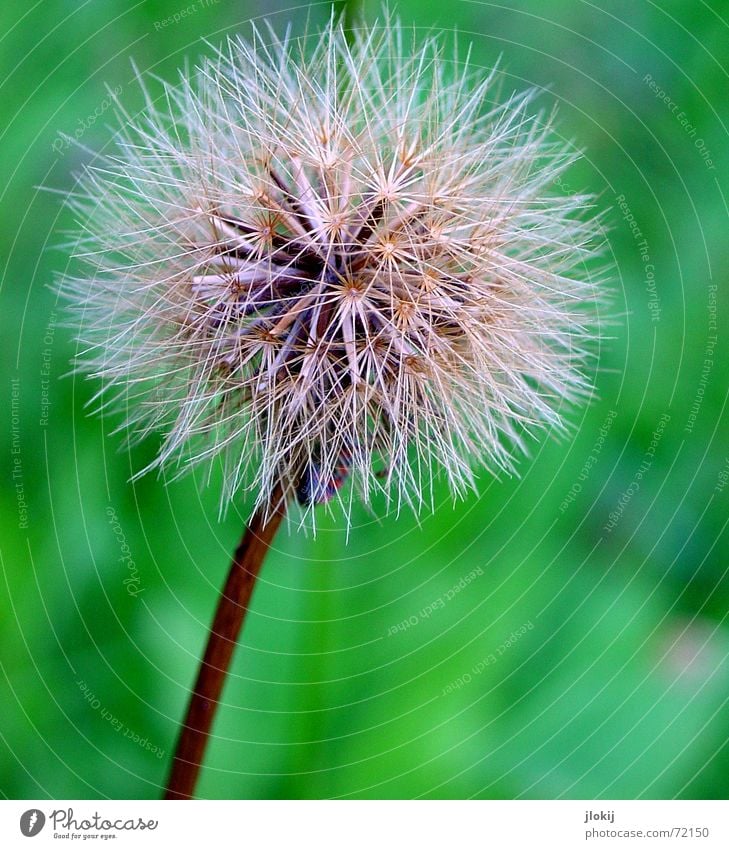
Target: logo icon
{"type": "Point", "coordinates": [32, 822]}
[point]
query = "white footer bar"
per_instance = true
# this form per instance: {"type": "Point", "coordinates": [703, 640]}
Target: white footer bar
{"type": "Point", "coordinates": [367, 824]}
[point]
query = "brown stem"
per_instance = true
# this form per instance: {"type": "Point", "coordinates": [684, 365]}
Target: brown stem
{"type": "Point", "coordinates": [232, 607]}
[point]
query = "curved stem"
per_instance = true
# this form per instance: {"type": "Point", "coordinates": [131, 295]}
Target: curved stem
{"type": "Point", "coordinates": [232, 608]}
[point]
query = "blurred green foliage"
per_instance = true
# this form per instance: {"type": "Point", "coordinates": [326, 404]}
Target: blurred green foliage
{"type": "Point", "coordinates": [579, 662]}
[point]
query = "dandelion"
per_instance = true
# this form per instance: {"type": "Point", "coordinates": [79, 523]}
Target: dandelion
{"type": "Point", "coordinates": [345, 264]}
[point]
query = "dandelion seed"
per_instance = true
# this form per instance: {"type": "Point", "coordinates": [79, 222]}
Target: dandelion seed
{"type": "Point", "coordinates": [351, 257]}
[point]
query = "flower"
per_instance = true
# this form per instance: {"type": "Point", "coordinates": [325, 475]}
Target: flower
{"type": "Point", "coordinates": [349, 262]}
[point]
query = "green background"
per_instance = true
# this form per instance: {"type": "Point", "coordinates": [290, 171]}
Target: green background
{"type": "Point", "coordinates": [589, 662]}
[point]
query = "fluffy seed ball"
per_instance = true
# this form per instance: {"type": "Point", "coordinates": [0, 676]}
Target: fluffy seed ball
{"type": "Point", "coordinates": [350, 261]}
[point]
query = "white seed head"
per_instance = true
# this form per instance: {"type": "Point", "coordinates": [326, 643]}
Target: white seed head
{"type": "Point", "coordinates": [350, 261]}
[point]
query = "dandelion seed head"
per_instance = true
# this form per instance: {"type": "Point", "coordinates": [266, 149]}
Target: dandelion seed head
{"type": "Point", "coordinates": [349, 261]}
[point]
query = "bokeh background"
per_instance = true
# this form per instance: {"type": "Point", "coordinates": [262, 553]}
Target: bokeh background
{"type": "Point", "coordinates": [581, 656]}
